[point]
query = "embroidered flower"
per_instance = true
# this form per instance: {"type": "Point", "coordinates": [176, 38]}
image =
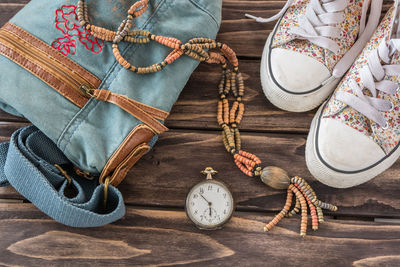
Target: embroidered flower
{"type": "Point", "coordinates": [66, 21]}
{"type": "Point", "coordinates": [91, 43]}
{"type": "Point", "coordinates": [65, 45]}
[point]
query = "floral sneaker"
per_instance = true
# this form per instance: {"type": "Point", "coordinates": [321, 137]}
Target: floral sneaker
{"type": "Point", "coordinates": [355, 135]}
{"type": "Point", "coordinates": [311, 48]}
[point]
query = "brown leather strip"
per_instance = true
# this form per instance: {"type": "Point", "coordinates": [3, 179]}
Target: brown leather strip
{"type": "Point", "coordinates": [123, 168]}
{"type": "Point", "coordinates": [141, 134]}
{"type": "Point", "coordinates": [53, 68]}
{"type": "Point", "coordinates": [131, 107]}
{"type": "Point", "coordinates": [44, 75]}
{"type": "Point", "coordinates": [155, 112]}
{"type": "Point", "coordinates": [52, 53]}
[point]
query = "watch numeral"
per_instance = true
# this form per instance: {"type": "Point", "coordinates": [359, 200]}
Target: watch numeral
{"type": "Point", "coordinates": [195, 196]}
{"type": "Point", "coordinates": [224, 211]}
{"type": "Point", "coordinates": [196, 211]}
{"type": "Point", "coordinates": [227, 204]}
{"type": "Point", "coordinates": [224, 195]}
{"type": "Point", "coordinates": [192, 203]}
{"type": "Point", "coordinates": [209, 188]}
{"type": "Point", "coordinates": [217, 190]}
{"type": "Point", "coordinates": [201, 190]}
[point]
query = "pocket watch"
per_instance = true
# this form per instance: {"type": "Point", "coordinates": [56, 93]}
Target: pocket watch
{"type": "Point", "coordinates": [209, 204]}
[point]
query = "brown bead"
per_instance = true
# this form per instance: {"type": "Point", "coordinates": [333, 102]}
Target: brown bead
{"type": "Point", "coordinates": [275, 177]}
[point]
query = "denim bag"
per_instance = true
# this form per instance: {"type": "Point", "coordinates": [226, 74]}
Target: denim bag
{"type": "Point", "coordinates": [84, 140]}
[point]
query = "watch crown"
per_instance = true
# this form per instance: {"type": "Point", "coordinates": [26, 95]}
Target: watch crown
{"type": "Point", "coordinates": [209, 171]}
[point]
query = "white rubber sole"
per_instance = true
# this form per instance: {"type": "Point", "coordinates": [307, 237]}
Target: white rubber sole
{"type": "Point", "coordinates": [286, 100]}
{"type": "Point", "coordinates": [340, 179]}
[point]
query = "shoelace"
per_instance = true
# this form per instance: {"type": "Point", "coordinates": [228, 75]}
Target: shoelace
{"type": "Point", "coordinates": [372, 77]}
{"type": "Point", "coordinates": [319, 25]}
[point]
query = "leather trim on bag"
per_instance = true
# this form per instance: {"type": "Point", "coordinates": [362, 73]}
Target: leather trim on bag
{"type": "Point", "coordinates": [53, 68]}
{"type": "Point", "coordinates": [123, 168]}
{"type": "Point", "coordinates": [140, 111]}
{"type": "Point", "coordinates": [26, 36]}
{"type": "Point", "coordinates": [44, 75]}
{"type": "Point", "coordinates": [127, 154]}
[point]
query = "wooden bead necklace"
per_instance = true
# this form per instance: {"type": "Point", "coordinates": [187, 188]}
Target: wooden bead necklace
{"type": "Point", "coordinates": [228, 118]}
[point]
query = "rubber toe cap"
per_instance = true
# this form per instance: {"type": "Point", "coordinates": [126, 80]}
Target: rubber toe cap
{"type": "Point", "coordinates": [346, 149]}
{"type": "Point", "coordinates": [295, 72]}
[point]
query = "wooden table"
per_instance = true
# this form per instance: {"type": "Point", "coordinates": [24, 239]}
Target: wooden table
{"type": "Point", "coordinates": [155, 231]}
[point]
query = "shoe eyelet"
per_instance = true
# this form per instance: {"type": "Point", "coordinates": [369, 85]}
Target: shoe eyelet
{"type": "Point", "coordinates": [397, 90]}
{"type": "Point", "coordinates": [392, 108]}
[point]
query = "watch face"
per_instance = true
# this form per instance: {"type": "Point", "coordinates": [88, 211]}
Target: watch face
{"type": "Point", "coordinates": [209, 204]}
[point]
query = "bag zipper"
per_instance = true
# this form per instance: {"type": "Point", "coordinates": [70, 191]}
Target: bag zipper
{"type": "Point", "coordinates": [54, 67]}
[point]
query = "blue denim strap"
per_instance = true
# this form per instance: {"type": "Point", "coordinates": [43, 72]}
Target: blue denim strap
{"type": "Point", "coordinates": [27, 163]}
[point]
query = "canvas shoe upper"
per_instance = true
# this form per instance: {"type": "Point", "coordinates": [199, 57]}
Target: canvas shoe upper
{"type": "Point", "coordinates": [312, 46]}
{"type": "Point", "coordinates": [355, 135]}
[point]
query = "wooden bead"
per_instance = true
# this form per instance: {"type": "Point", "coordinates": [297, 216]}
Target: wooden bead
{"type": "Point", "coordinates": [243, 168]}
{"type": "Point", "coordinates": [311, 194]}
{"type": "Point", "coordinates": [303, 204]}
{"type": "Point", "coordinates": [226, 110]}
{"type": "Point", "coordinates": [219, 113]}
{"type": "Point", "coordinates": [225, 142]}
{"type": "Point", "coordinates": [227, 82]}
{"type": "Point", "coordinates": [240, 113]}
{"type": "Point", "coordinates": [313, 211]}
{"type": "Point", "coordinates": [230, 55]}
{"type": "Point", "coordinates": [320, 215]}
{"type": "Point", "coordinates": [282, 213]}
{"type": "Point", "coordinates": [275, 177]}
{"type": "Point", "coordinates": [238, 141]}
{"type": "Point", "coordinates": [296, 208]}
{"type": "Point", "coordinates": [232, 114]}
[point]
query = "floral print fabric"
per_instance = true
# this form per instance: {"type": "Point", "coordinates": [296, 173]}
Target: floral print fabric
{"type": "Point", "coordinates": [350, 28]}
{"type": "Point", "coordinates": [388, 138]}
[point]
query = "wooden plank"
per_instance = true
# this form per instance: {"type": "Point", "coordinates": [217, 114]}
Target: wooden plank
{"type": "Point", "coordinates": [163, 177]}
{"type": "Point", "coordinates": [162, 237]}
{"type": "Point", "coordinates": [8, 8]}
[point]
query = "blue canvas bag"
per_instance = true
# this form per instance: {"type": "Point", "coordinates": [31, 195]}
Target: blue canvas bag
{"type": "Point", "coordinates": [83, 141]}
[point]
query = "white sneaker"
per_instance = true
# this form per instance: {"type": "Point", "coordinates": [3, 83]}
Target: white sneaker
{"type": "Point", "coordinates": [311, 48]}
{"type": "Point", "coordinates": [355, 135]}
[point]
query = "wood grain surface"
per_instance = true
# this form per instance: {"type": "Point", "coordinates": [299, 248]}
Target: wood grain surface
{"type": "Point", "coordinates": [165, 237]}
{"type": "Point", "coordinates": [163, 177]}
{"type": "Point", "coordinates": [156, 232]}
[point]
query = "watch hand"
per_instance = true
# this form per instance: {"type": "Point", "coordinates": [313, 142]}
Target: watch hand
{"type": "Point", "coordinates": [209, 203]}
{"type": "Point", "coordinates": [210, 211]}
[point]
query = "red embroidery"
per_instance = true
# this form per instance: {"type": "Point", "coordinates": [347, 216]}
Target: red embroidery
{"type": "Point", "coordinates": [67, 22]}
{"type": "Point", "coordinates": [65, 45]}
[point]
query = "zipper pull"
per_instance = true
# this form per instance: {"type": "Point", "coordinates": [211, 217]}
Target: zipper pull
{"type": "Point", "coordinates": [86, 90]}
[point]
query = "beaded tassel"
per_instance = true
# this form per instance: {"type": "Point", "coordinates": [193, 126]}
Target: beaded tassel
{"type": "Point", "coordinates": [305, 195]}
{"type": "Point", "coordinates": [228, 116]}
